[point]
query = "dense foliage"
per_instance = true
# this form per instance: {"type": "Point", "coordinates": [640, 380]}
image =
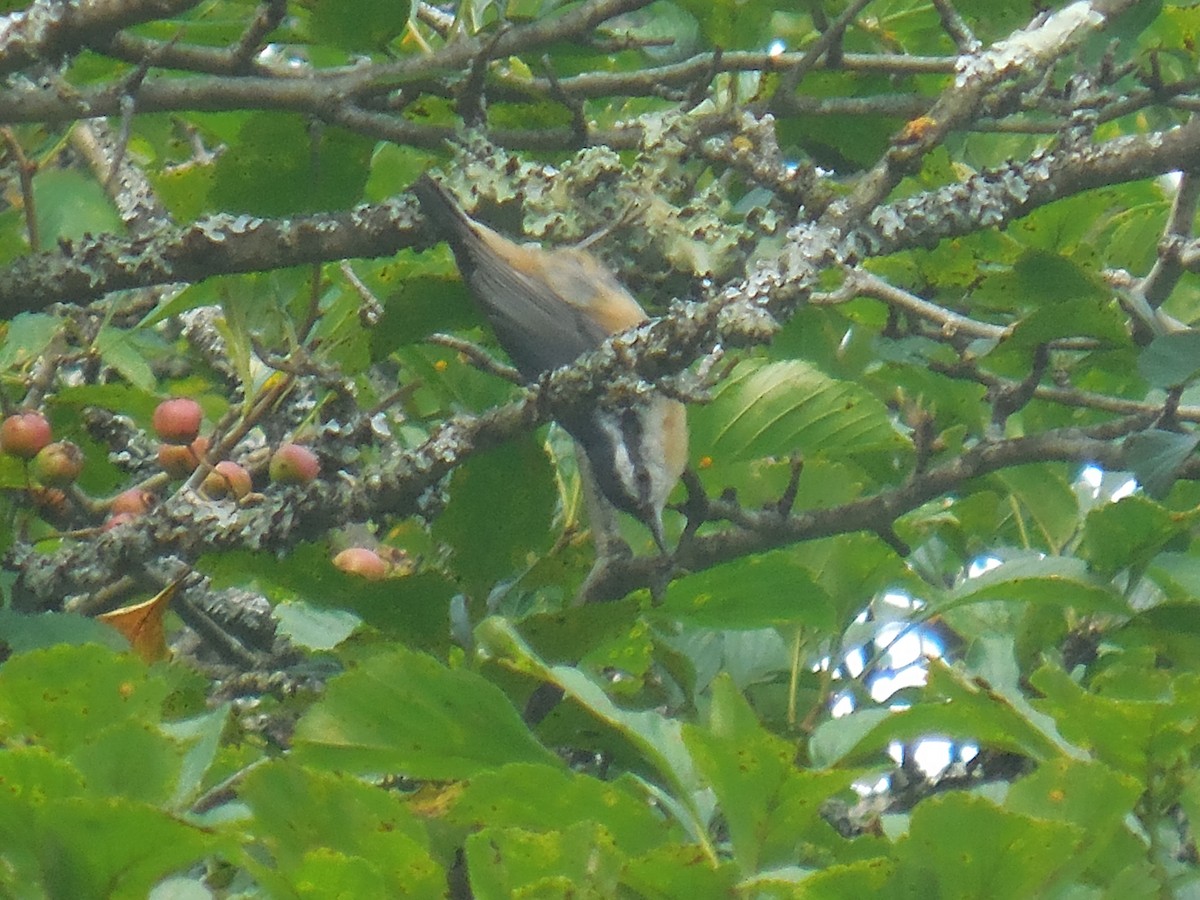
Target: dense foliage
{"type": "Point", "coordinates": [924, 272]}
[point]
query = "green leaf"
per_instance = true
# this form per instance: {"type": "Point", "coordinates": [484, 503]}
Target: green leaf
{"type": "Point", "coordinates": [1093, 315]}
{"type": "Point", "coordinates": [202, 736]}
{"type": "Point", "coordinates": [1057, 580]}
{"type": "Point", "coordinates": [1128, 533]}
{"type": "Point", "coordinates": [962, 846]}
{"type": "Point", "coordinates": [680, 870]}
{"type": "Point", "coordinates": [130, 759]}
{"type": "Point", "coordinates": [755, 592]}
{"type": "Point", "coordinates": [1156, 457]}
{"type": "Point", "coordinates": [52, 849]}
{"type": "Point", "coordinates": [777, 409]}
{"type": "Point", "coordinates": [579, 861]}
{"type": "Point", "coordinates": [1118, 732]}
{"type": "Point", "coordinates": [1085, 793]}
{"type": "Point", "coordinates": [358, 24]}
{"type": "Point", "coordinates": [654, 736]}
{"type": "Point", "coordinates": [860, 879]}
{"type": "Point", "coordinates": [548, 798]}
{"type": "Point", "coordinates": [1171, 359]}
{"type": "Point", "coordinates": [412, 609]}
{"type": "Point", "coordinates": [20, 632]}
{"type": "Point", "coordinates": [282, 167]}
{"type": "Point", "coordinates": [316, 629]}
{"type": "Point", "coordinates": [405, 712]}
{"type": "Point", "coordinates": [770, 806]}
{"type": "Point", "coordinates": [516, 478]}
{"type": "Point", "coordinates": [954, 705]}
{"type": "Point", "coordinates": [1044, 493]}
{"type": "Point", "coordinates": [418, 306]}
{"type": "Point", "coordinates": [60, 697]}
{"type": "Point", "coordinates": [34, 772]}
{"type": "Point", "coordinates": [70, 205]}
{"type": "Point", "coordinates": [29, 334]}
{"type": "Point", "coordinates": [117, 349]}
{"type": "Point", "coordinates": [298, 811]}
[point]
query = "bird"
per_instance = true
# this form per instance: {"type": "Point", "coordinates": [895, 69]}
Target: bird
{"type": "Point", "coordinates": [547, 308]}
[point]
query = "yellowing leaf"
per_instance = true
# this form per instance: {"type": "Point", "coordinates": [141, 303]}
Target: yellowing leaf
{"type": "Point", "coordinates": [142, 623]}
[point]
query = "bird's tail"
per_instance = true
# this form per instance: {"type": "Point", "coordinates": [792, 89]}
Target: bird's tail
{"type": "Point", "coordinates": [442, 209]}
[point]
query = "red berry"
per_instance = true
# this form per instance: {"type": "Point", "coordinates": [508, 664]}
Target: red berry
{"type": "Point", "coordinates": [24, 434]}
{"type": "Point", "coordinates": [362, 562]}
{"type": "Point", "coordinates": [227, 479]}
{"type": "Point", "coordinates": [293, 464]}
{"type": "Point", "coordinates": [58, 464]}
{"type": "Point", "coordinates": [133, 502]}
{"type": "Point", "coordinates": [177, 421]}
{"type": "Point", "coordinates": [119, 519]}
{"type": "Point", "coordinates": [180, 460]}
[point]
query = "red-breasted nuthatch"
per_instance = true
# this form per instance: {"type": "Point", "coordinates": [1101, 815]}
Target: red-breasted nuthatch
{"type": "Point", "coordinates": [548, 307]}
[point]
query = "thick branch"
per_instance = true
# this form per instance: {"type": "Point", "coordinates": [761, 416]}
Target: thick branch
{"type": "Point", "coordinates": [51, 28]}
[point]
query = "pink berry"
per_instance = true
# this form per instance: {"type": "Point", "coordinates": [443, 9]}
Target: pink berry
{"type": "Point", "coordinates": [133, 502]}
{"type": "Point", "coordinates": [180, 460]}
{"type": "Point", "coordinates": [362, 562]}
{"type": "Point", "coordinates": [228, 479]}
{"type": "Point", "coordinates": [24, 434]}
{"type": "Point", "coordinates": [294, 464]}
{"type": "Point", "coordinates": [177, 421]}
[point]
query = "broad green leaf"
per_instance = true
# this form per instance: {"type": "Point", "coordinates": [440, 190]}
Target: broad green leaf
{"type": "Point", "coordinates": [770, 806]}
{"type": "Point", "coordinates": [769, 589]}
{"type": "Point", "coordinates": [1057, 580]}
{"type": "Point", "coordinates": [578, 861]}
{"type": "Point", "coordinates": [29, 772]}
{"type": "Point", "coordinates": [327, 873]}
{"type": "Point", "coordinates": [837, 738]}
{"type": "Point", "coordinates": [394, 168]}
{"type": "Point", "coordinates": [1171, 359]}
{"type": "Point", "coordinates": [572, 632]}
{"type": "Point", "coordinates": [953, 705]}
{"type": "Point", "coordinates": [654, 736]}
{"type": "Point", "coordinates": [420, 304]}
{"type": "Point", "coordinates": [1127, 534]}
{"type": "Point", "coordinates": [28, 336]}
{"type": "Point", "coordinates": [298, 811]}
{"type": "Point", "coordinates": [851, 568]}
{"type": "Point", "coordinates": [1119, 733]}
{"type": "Point", "coordinates": [546, 798]}
{"type": "Point", "coordinates": [858, 879]}
{"type": "Point", "coordinates": [405, 712]}
{"type": "Point", "coordinates": [61, 696]}
{"type": "Point", "coordinates": [1156, 457]}
{"type": "Point", "coordinates": [1042, 493]}
{"type": "Point", "coordinates": [203, 735]}
{"type": "Point", "coordinates": [71, 205]}
{"type": "Point", "coordinates": [412, 609]}
{"type": "Point", "coordinates": [130, 759]}
{"type": "Point", "coordinates": [1094, 315]}
{"type": "Point", "coordinates": [140, 846]}
{"type": "Point", "coordinates": [680, 870]}
{"type": "Point", "coordinates": [316, 629]}
{"type": "Point", "coordinates": [20, 632]}
{"type": "Point", "coordinates": [962, 846]}
{"type": "Point", "coordinates": [358, 24]}
{"type": "Point", "coordinates": [777, 409]}
{"type": "Point", "coordinates": [500, 510]}
{"type": "Point", "coordinates": [283, 165]}
{"type": "Point", "coordinates": [1087, 794]}
{"type": "Point", "coordinates": [117, 349]}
